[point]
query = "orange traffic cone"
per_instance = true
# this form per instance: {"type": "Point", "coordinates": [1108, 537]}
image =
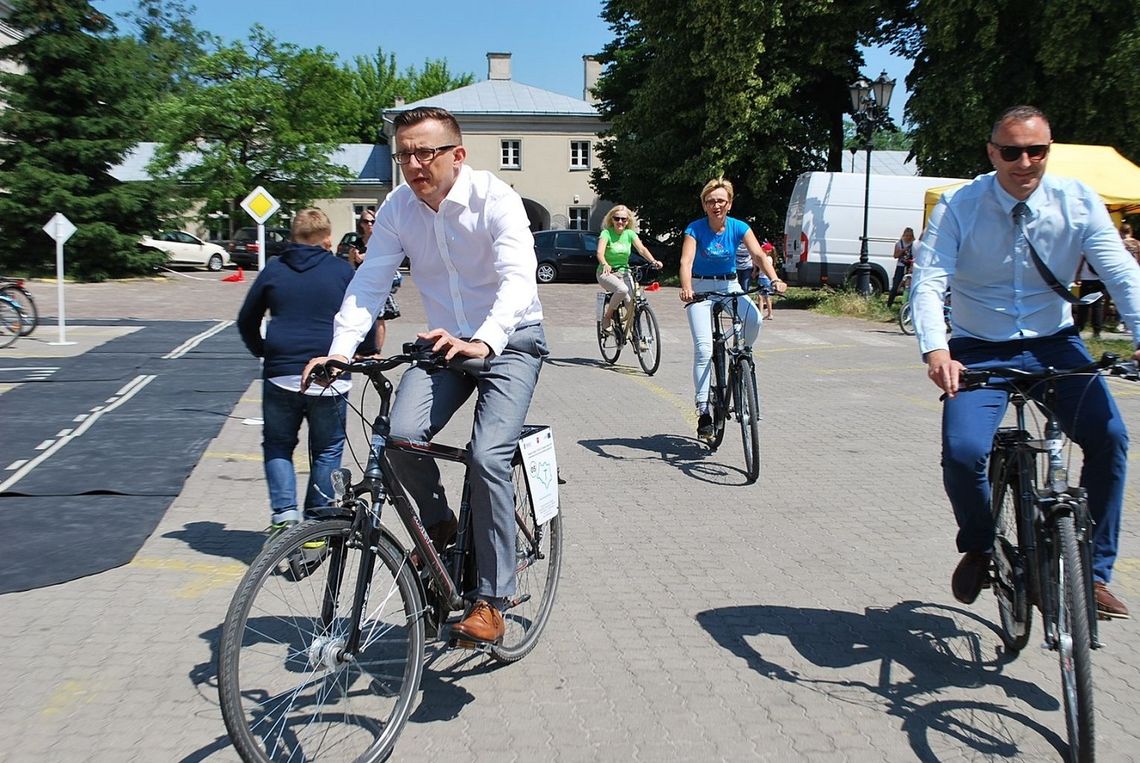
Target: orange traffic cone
{"type": "Point", "coordinates": [235, 277]}
{"type": "Point", "coordinates": [655, 286]}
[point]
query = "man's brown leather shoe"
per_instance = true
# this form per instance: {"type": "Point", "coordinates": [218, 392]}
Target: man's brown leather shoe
{"type": "Point", "coordinates": [1107, 605]}
{"type": "Point", "coordinates": [970, 576]}
{"type": "Point", "coordinates": [483, 623]}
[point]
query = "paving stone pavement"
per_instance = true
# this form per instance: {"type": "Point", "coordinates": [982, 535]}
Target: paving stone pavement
{"type": "Point", "coordinates": [806, 617]}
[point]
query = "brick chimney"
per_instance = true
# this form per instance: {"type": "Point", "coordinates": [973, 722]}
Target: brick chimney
{"type": "Point", "coordinates": [592, 70]}
{"type": "Point", "coordinates": [499, 66]}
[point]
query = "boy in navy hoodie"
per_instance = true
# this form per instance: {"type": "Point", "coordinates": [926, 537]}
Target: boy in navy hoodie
{"type": "Point", "coordinates": [301, 290]}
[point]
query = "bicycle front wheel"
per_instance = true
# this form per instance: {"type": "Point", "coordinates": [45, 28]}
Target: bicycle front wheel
{"type": "Point", "coordinates": [27, 305]}
{"type": "Point", "coordinates": [906, 319]}
{"type": "Point", "coordinates": [11, 322]}
{"type": "Point", "coordinates": [647, 339]}
{"type": "Point", "coordinates": [1009, 562]}
{"type": "Point", "coordinates": [291, 687]}
{"type": "Point", "coordinates": [538, 565]}
{"type": "Point", "coordinates": [1074, 642]}
{"type": "Point", "coordinates": [748, 414]}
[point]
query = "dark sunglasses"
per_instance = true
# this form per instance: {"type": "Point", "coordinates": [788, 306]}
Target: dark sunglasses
{"type": "Point", "coordinates": [620, 219]}
{"type": "Point", "coordinates": [1013, 153]}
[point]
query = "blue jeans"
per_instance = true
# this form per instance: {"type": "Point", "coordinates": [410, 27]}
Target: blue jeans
{"type": "Point", "coordinates": [283, 411]}
{"type": "Point", "coordinates": [425, 402]}
{"type": "Point", "coordinates": [1086, 412]}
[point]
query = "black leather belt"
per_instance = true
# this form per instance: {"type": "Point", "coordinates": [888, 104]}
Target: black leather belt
{"type": "Point", "coordinates": [724, 277]}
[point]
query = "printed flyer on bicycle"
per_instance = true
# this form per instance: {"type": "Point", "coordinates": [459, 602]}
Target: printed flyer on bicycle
{"type": "Point", "coordinates": [541, 473]}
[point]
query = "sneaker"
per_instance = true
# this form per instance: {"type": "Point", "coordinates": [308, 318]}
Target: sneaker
{"type": "Point", "coordinates": [275, 530]}
{"type": "Point", "coordinates": [1108, 607]}
{"type": "Point", "coordinates": [970, 576]}
{"type": "Point", "coordinates": [705, 427]}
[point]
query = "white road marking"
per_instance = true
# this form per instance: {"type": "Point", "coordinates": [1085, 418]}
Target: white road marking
{"type": "Point", "coordinates": [194, 341]}
{"type": "Point", "coordinates": [129, 391]}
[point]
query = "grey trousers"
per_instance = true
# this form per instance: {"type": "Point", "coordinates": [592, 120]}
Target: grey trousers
{"type": "Point", "coordinates": [423, 406]}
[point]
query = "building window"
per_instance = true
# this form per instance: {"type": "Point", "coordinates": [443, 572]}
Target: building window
{"type": "Point", "coordinates": [579, 154]}
{"type": "Point", "coordinates": [579, 218]}
{"type": "Point", "coordinates": [512, 155]}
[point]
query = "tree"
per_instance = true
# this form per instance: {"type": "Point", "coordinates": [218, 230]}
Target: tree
{"type": "Point", "coordinates": [255, 113]}
{"type": "Point", "coordinates": [694, 89]}
{"type": "Point", "coordinates": [376, 85]}
{"type": "Point", "coordinates": [73, 113]}
{"type": "Point", "coordinates": [1074, 59]}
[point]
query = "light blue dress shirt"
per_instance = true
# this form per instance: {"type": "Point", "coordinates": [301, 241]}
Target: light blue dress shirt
{"type": "Point", "coordinates": [972, 246]}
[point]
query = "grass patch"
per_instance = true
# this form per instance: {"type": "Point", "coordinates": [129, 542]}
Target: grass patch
{"type": "Point", "coordinates": [1118, 344]}
{"type": "Point", "coordinates": [841, 303]}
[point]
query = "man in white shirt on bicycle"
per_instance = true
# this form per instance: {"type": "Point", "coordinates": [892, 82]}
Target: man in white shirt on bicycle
{"type": "Point", "coordinates": [467, 237]}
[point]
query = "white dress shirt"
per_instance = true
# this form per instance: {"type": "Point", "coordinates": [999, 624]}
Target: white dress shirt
{"type": "Point", "coordinates": [473, 262]}
{"type": "Point", "coordinates": [972, 246]}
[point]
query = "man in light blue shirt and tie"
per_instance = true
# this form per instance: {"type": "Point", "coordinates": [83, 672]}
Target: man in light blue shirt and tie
{"type": "Point", "coordinates": [979, 243]}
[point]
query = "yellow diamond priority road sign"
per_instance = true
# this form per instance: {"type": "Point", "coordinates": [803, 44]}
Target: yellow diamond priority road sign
{"type": "Point", "coordinates": [260, 205]}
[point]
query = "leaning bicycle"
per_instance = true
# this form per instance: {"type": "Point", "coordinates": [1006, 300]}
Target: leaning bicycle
{"type": "Point", "coordinates": [322, 650]}
{"type": "Point", "coordinates": [15, 290]}
{"type": "Point", "coordinates": [637, 327]}
{"type": "Point", "coordinates": [11, 320]}
{"type": "Point", "coordinates": [732, 389]}
{"type": "Point", "coordinates": [1042, 554]}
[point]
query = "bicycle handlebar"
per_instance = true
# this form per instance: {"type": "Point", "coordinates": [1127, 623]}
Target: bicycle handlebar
{"type": "Point", "coordinates": [761, 289]}
{"type": "Point", "coordinates": [1109, 363]}
{"type": "Point", "coordinates": [413, 355]}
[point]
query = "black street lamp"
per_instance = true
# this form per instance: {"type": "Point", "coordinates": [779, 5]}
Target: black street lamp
{"type": "Point", "coordinates": [869, 102]}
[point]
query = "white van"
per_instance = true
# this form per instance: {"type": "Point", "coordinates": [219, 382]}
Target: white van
{"type": "Point", "coordinates": [825, 222]}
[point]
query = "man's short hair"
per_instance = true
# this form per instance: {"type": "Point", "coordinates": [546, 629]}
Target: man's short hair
{"type": "Point", "coordinates": [1018, 114]}
{"type": "Point", "coordinates": [424, 113]}
{"type": "Point", "coordinates": [310, 226]}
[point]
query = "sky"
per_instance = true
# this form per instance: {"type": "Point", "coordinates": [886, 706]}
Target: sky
{"type": "Point", "coordinates": [546, 40]}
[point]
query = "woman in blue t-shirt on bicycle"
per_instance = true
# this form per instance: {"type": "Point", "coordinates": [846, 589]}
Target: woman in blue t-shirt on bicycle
{"type": "Point", "coordinates": [708, 263]}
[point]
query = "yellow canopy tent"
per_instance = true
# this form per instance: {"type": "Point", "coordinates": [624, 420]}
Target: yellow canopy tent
{"type": "Point", "coordinates": [1116, 179]}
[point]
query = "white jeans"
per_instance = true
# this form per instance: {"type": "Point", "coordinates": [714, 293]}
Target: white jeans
{"type": "Point", "coordinates": [700, 326]}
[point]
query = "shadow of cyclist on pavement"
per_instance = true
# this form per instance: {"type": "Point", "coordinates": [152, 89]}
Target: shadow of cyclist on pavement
{"type": "Point", "coordinates": [687, 454]}
{"type": "Point", "coordinates": [214, 539]}
{"type": "Point", "coordinates": [922, 644]}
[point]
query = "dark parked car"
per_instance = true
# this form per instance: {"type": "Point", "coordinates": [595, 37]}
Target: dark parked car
{"type": "Point", "coordinates": [569, 255]}
{"type": "Point", "coordinates": [243, 249]}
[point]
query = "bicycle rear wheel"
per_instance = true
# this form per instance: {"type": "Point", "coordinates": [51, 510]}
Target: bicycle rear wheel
{"type": "Point", "coordinates": [646, 339]}
{"type": "Point", "coordinates": [748, 414]}
{"type": "Point", "coordinates": [1074, 642]}
{"type": "Point", "coordinates": [906, 319]}
{"type": "Point", "coordinates": [288, 689]}
{"type": "Point", "coordinates": [610, 344]}
{"type": "Point", "coordinates": [538, 554]}
{"type": "Point", "coordinates": [1008, 561]}
{"type": "Point", "coordinates": [11, 322]}
{"type": "Point", "coordinates": [719, 397]}
{"type": "Point", "coordinates": [23, 298]}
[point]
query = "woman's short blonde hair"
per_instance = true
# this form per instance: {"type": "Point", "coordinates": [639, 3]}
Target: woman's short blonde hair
{"type": "Point", "coordinates": [714, 184]}
{"type": "Point", "coordinates": [608, 220]}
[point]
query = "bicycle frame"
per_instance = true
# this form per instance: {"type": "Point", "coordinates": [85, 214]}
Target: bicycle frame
{"type": "Point", "coordinates": [1040, 508]}
{"type": "Point", "coordinates": [381, 483]}
{"type": "Point", "coordinates": [726, 355]}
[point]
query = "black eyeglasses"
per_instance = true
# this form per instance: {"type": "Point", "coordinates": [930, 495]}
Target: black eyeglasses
{"type": "Point", "coordinates": [618, 219]}
{"type": "Point", "coordinates": [1013, 153]}
{"type": "Point", "coordinates": [366, 221]}
{"type": "Point", "coordinates": [423, 155]}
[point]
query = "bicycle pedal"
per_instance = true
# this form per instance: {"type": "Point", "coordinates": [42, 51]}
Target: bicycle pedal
{"type": "Point", "coordinates": [475, 646]}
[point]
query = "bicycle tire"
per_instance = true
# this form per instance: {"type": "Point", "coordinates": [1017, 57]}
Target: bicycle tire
{"type": "Point", "coordinates": [537, 571]}
{"type": "Point", "coordinates": [906, 319]}
{"type": "Point", "coordinates": [285, 690]}
{"type": "Point", "coordinates": [748, 414]}
{"type": "Point", "coordinates": [610, 344]}
{"type": "Point", "coordinates": [11, 322]}
{"type": "Point", "coordinates": [719, 398]}
{"type": "Point", "coordinates": [1074, 641]}
{"type": "Point", "coordinates": [23, 298]}
{"type": "Point", "coordinates": [1010, 586]}
{"type": "Point", "coordinates": [645, 330]}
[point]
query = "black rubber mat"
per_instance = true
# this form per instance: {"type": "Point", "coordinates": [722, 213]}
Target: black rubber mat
{"type": "Point", "coordinates": [107, 443]}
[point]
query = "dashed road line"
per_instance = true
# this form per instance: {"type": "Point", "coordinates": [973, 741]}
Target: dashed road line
{"type": "Point", "coordinates": [194, 341]}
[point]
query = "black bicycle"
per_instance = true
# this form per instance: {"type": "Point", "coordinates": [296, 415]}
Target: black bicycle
{"type": "Point", "coordinates": [637, 327]}
{"type": "Point", "coordinates": [732, 389]}
{"type": "Point", "coordinates": [14, 289]}
{"type": "Point", "coordinates": [1042, 550]}
{"type": "Point", "coordinates": [322, 650]}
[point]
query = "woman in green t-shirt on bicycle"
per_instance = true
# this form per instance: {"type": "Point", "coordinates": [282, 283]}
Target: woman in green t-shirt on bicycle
{"type": "Point", "coordinates": [617, 239]}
